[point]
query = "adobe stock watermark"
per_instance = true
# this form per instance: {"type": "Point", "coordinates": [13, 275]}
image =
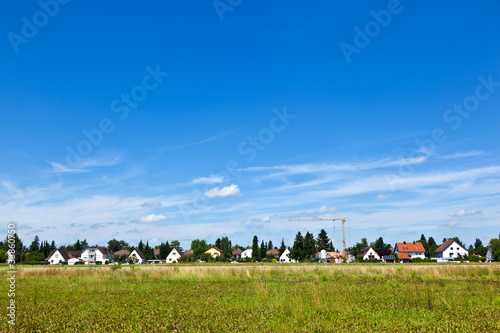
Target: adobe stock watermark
{"type": "Point", "coordinates": [248, 149]}
{"type": "Point", "coordinates": [122, 106]}
{"type": "Point", "coordinates": [11, 272]}
{"type": "Point", "coordinates": [373, 28]}
{"type": "Point", "coordinates": [454, 116]}
{"type": "Point", "coordinates": [30, 27]}
{"type": "Point", "coordinates": [223, 6]}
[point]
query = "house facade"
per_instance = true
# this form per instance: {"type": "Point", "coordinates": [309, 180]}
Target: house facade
{"type": "Point", "coordinates": [247, 253]}
{"type": "Point", "coordinates": [330, 257]}
{"type": "Point", "coordinates": [139, 258]}
{"type": "Point", "coordinates": [93, 254]}
{"type": "Point", "coordinates": [450, 250]}
{"type": "Point", "coordinates": [489, 255]}
{"type": "Point", "coordinates": [236, 254]}
{"type": "Point", "coordinates": [369, 254]}
{"type": "Point", "coordinates": [285, 257]}
{"type": "Point", "coordinates": [214, 252]}
{"type": "Point", "coordinates": [412, 250]}
{"type": "Point", "coordinates": [173, 256]}
{"type": "Point", "coordinates": [58, 256]}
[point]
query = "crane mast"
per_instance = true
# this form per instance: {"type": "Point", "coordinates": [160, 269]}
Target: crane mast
{"type": "Point", "coordinates": [343, 219]}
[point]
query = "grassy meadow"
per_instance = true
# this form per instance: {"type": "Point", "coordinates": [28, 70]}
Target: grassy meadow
{"type": "Point", "coordinates": [258, 298]}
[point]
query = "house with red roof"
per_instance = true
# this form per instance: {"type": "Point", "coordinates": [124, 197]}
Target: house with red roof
{"type": "Point", "coordinates": [408, 251]}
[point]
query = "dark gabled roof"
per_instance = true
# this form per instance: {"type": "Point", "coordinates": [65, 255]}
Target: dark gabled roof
{"type": "Point", "coordinates": [237, 252]}
{"type": "Point", "coordinates": [62, 251]}
{"type": "Point", "coordinates": [139, 252]}
{"type": "Point", "coordinates": [444, 246]}
{"type": "Point", "coordinates": [74, 254]}
{"type": "Point", "coordinates": [103, 249]}
{"type": "Point", "coordinates": [177, 249]}
{"type": "Point", "coordinates": [215, 247]}
{"type": "Point", "coordinates": [366, 249]}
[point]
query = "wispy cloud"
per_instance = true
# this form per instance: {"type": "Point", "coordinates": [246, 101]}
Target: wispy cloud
{"type": "Point", "coordinates": [383, 196]}
{"type": "Point", "coordinates": [164, 149]}
{"type": "Point", "coordinates": [208, 180]}
{"type": "Point", "coordinates": [152, 218]}
{"type": "Point", "coordinates": [85, 164]}
{"type": "Point", "coordinates": [226, 191]}
{"type": "Point", "coordinates": [465, 213]}
{"type": "Point", "coordinates": [464, 155]}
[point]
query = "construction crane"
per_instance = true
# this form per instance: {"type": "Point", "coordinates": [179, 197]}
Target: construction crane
{"type": "Point", "coordinates": [343, 219]}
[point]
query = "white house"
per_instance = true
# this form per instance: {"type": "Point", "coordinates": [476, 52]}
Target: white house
{"type": "Point", "coordinates": [284, 258]}
{"type": "Point", "coordinates": [247, 253]}
{"type": "Point", "coordinates": [450, 250]}
{"type": "Point", "coordinates": [174, 256]}
{"type": "Point", "coordinates": [73, 261]}
{"type": "Point", "coordinates": [489, 255]}
{"type": "Point", "coordinates": [410, 250]}
{"type": "Point", "coordinates": [139, 257]}
{"type": "Point", "coordinates": [369, 254]}
{"type": "Point", "coordinates": [58, 256]}
{"type": "Point", "coordinates": [93, 254]}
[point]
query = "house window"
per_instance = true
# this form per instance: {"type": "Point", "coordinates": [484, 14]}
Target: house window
{"type": "Point", "coordinates": [451, 254]}
{"type": "Point", "coordinates": [451, 248]}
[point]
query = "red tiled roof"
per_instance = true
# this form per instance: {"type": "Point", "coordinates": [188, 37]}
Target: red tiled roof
{"type": "Point", "coordinates": [410, 247]}
{"type": "Point", "coordinates": [123, 252]}
{"type": "Point", "coordinates": [237, 252]}
{"type": "Point", "coordinates": [403, 256]}
{"type": "Point", "coordinates": [157, 252]}
{"type": "Point", "coordinates": [444, 246]}
{"type": "Point", "coordinates": [188, 252]}
{"type": "Point", "coordinates": [274, 252]}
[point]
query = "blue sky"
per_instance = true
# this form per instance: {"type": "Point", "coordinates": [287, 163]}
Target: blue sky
{"type": "Point", "coordinates": [182, 120]}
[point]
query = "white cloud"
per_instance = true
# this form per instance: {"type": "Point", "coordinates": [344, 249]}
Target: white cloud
{"type": "Point", "coordinates": [152, 218]}
{"type": "Point", "coordinates": [464, 213]}
{"type": "Point", "coordinates": [322, 209]}
{"type": "Point", "coordinates": [382, 196]}
{"type": "Point", "coordinates": [463, 155]}
{"type": "Point", "coordinates": [208, 180]}
{"type": "Point", "coordinates": [226, 191]}
{"type": "Point", "coordinates": [266, 219]}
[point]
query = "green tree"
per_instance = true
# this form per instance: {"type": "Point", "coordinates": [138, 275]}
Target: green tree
{"type": "Point", "coordinates": [199, 246]}
{"type": "Point", "coordinates": [424, 242]}
{"type": "Point", "coordinates": [35, 245]}
{"type": "Point", "coordinates": [323, 241]}
{"type": "Point", "coordinates": [356, 250]}
{"type": "Point", "coordinates": [309, 245]}
{"type": "Point", "coordinates": [282, 247]}
{"type": "Point", "coordinates": [141, 246]}
{"type": "Point", "coordinates": [431, 242]}
{"type": "Point", "coordinates": [495, 247]}
{"type": "Point", "coordinates": [298, 247]}
{"type": "Point", "coordinates": [255, 248]}
{"type": "Point", "coordinates": [478, 243]}
{"type": "Point", "coordinates": [270, 245]}
{"type": "Point", "coordinates": [263, 250]}
{"type": "Point", "coordinates": [379, 245]}
{"type": "Point", "coordinates": [177, 244]}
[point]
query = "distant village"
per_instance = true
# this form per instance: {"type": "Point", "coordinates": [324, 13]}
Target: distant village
{"type": "Point", "coordinates": [305, 248]}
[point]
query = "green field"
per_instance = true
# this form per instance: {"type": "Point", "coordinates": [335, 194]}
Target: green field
{"type": "Point", "coordinates": [258, 298]}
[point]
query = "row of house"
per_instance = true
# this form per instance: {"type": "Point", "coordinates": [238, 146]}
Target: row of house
{"type": "Point", "coordinates": [447, 251]}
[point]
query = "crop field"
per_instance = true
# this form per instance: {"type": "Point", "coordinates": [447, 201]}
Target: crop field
{"type": "Point", "coordinates": [258, 298]}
